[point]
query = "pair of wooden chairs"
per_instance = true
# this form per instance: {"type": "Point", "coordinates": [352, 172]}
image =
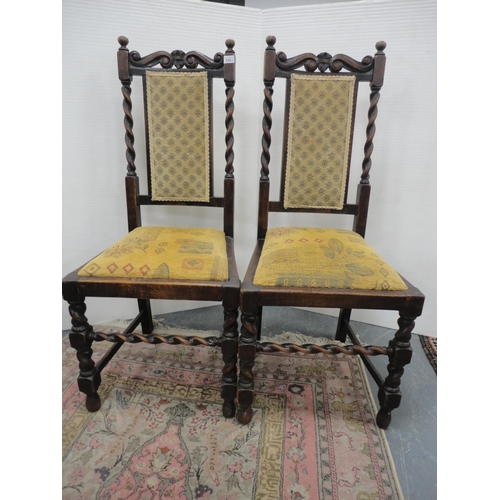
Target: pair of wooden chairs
{"type": "Point", "coordinates": [291, 266]}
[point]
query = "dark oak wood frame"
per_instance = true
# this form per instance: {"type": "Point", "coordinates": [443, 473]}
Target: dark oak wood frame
{"type": "Point", "coordinates": [408, 303]}
{"type": "Point", "coordinates": [76, 288]}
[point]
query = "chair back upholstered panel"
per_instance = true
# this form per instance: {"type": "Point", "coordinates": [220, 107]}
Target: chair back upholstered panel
{"type": "Point", "coordinates": [319, 140]}
{"type": "Point", "coordinates": [320, 109]}
{"type": "Point", "coordinates": [178, 135]}
{"type": "Point", "coordinates": [178, 98]}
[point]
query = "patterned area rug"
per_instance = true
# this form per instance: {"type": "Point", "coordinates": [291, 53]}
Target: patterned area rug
{"type": "Point", "coordinates": [429, 345]}
{"type": "Point", "coordinates": [160, 431]}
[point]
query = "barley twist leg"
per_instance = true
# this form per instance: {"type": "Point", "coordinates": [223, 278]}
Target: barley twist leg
{"type": "Point", "coordinates": [89, 378]}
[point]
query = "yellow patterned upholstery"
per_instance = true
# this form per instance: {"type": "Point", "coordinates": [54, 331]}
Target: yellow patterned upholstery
{"type": "Point", "coordinates": [164, 252]}
{"type": "Point", "coordinates": [178, 124]}
{"type": "Point", "coordinates": [331, 258]}
{"type": "Point", "coordinates": [321, 115]}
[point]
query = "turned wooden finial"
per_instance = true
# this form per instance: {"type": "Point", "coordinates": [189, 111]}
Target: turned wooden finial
{"type": "Point", "coordinates": [270, 40]}
{"type": "Point", "coordinates": [123, 68]}
{"type": "Point", "coordinates": [229, 64]}
{"type": "Point", "coordinates": [123, 41]}
{"type": "Point", "coordinates": [378, 67]}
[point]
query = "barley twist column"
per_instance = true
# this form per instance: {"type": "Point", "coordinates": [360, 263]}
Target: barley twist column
{"type": "Point", "coordinates": [247, 352]}
{"type": "Point", "coordinates": [229, 346]}
{"type": "Point", "coordinates": [400, 353]}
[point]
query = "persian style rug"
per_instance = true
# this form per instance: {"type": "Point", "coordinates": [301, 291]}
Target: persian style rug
{"type": "Point", "coordinates": [160, 432]}
{"type": "Point", "coordinates": [429, 344]}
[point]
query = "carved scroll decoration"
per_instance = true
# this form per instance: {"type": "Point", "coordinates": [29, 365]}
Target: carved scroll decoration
{"type": "Point", "coordinates": [323, 62]}
{"type": "Point", "coordinates": [177, 59]}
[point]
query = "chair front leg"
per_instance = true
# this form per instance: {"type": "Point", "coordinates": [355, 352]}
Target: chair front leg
{"type": "Point", "coordinates": [229, 348]}
{"type": "Point", "coordinates": [89, 378]}
{"type": "Point", "coordinates": [247, 352]}
{"type": "Point", "coordinates": [400, 353]}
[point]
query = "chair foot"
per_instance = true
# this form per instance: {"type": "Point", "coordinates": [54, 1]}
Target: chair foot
{"type": "Point", "coordinates": [383, 419]}
{"type": "Point", "coordinates": [245, 415]}
{"type": "Point", "coordinates": [93, 402]}
{"type": "Point", "coordinates": [229, 409]}
{"type": "Point", "coordinates": [89, 378]}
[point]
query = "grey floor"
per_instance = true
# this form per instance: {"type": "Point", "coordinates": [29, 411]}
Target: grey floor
{"type": "Point", "coordinates": [412, 435]}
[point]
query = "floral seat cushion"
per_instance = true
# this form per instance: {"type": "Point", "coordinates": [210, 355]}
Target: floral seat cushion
{"type": "Point", "coordinates": [164, 252]}
{"type": "Point", "coordinates": [330, 258]}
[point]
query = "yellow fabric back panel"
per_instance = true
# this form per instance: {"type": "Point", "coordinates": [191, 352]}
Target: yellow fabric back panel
{"type": "Point", "coordinates": [178, 122]}
{"type": "Point", "coordinates": [321, 114]}
{"type": "Point", "coordinates": [330, 258]}
{"type": "Point", "coordinates": [164, 252]}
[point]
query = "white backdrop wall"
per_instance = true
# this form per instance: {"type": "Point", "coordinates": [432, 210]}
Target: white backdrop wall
{"type": "Point", "coordinates": [402, 220]}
